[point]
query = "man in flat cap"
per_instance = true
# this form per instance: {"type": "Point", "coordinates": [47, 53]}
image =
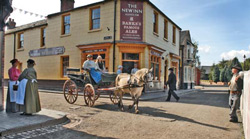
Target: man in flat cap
{"type": "Point", "coordinates": [90, 66]}
{"type": "Point", "coordinates": [89, 63]}
{"type": "Point", "coordinates": [172, 85]}
{"type": "Point", "coordinates": [235, 87]}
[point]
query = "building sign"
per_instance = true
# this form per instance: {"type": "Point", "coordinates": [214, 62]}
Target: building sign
{"type": "Point", "coordinates": [131, 28]}
{"type": "Point", "coordinates": [47, 51]}
{"type": "Point", "coordinates": [155, 53]}
{"type": "Point", "coordinates": [93, 51]}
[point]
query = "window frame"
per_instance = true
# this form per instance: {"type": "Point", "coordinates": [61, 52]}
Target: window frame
{"type": "Point", "coordinates": [166, 29]}
{"type": "Point", "coordinates": [155, 22]}
{"type": "Point", "coordinates": [174, 35]}
{"type": "Point", "coordinates": [91, 27]}
{"type": "Point", "coordinates": [20, 42]}
{"type": "Point", "coordinates": [131, 60]}
{"type": "Point", "coordinates": [156, 60]}
{"type": "Point", "coordinates": [64, 25]}
{"type": "Point", "coordinates": [43, 37]}
{"type": "Point", "coordinates": [62, 65]}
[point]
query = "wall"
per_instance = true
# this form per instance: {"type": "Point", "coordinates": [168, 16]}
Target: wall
{"type": "Point", "coordinates": [245, 105]}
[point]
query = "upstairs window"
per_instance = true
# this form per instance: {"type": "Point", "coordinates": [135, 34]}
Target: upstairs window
{"type": "Point", "coordinates": [66, 24]}
{"type": "Point", "coordinates": [174, 35]}
{"type": "Point", "coordinates": [155, 22]}
{"type": "Point", "coordinates": [165, 29]}
{"type": "Point", "coordinates": [43, 35]}
{"type": "Point", "coordinates": [20, 41]}
{"type": "Point", "coordinates": [95, 18]}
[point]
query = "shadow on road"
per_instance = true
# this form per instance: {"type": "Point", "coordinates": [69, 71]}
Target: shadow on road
{"type": "Point", "coordinates": [155, 112]}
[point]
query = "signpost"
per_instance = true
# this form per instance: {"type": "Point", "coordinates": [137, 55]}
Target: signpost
{"type": "Point", "coordinates": [5, 10]}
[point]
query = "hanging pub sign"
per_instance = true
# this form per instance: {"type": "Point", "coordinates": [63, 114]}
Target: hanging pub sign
{"type": "Point", "coordinates": [131, 28]}
{"type": "Point", "coordinates": [47, 52]}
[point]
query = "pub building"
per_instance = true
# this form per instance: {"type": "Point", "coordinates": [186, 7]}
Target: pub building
{"type": "Point", "coordinates": [123, 32]}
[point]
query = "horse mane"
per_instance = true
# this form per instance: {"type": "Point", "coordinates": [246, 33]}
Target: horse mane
{"type": "Point", "coordinates": [141, 72]}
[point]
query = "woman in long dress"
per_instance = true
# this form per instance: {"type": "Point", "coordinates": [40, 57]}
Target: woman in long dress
{"type": "Point", "coordinates": [14, 73]}
{"type": "Point", "coordinates": [31, 98]}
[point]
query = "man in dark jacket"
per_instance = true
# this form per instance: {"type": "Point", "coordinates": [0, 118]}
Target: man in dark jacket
{"type": "Point", "coordinates": [172, 85]}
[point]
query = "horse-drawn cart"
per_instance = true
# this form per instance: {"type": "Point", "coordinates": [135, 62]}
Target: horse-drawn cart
{"type": "Point", "coordinates": [83, 82]}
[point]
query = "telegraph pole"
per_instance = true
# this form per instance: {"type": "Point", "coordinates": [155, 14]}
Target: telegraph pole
{"type": "Point", "coordinates": [5, 10]}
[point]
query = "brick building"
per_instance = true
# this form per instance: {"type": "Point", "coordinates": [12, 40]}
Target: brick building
{"type": "Point", "coordinates": [144, 35]}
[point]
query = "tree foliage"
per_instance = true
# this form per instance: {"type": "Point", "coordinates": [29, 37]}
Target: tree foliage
{"type": "Point", "coordinates": [216, 74]}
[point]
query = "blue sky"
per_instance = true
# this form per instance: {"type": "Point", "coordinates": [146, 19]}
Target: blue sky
{"type": "Point", "coordinates": [220, 26]}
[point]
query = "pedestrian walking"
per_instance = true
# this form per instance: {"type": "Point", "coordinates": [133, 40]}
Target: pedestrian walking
{"type": "Point", "coordinates": [172, 85]}
{"type": "Point", "coordinates": [235, 87]}
{"type": "Point", "coordinates": [14, 73]}
{"type": "Point", "coordinates": [31, 100]}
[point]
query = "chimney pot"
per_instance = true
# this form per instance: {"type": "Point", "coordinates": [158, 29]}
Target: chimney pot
{"type": "Point", "coordinates": [67, 5]}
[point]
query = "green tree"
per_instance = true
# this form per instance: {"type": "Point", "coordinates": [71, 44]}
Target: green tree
{"type": "Point", "coordinates": [216, 74]}
{"type": "Point", "coordinates": [195, 53]}
{"type": "Point", "coordinates": [228, 74]}
{"type": "Point", "coordinates": [247, 64]}
{"type": "Point", "coordinates": [223, 63]}
{"type": "Point", "coordinates": [222, 74]}
{"type": "Point", "coordinates": [235, 61]}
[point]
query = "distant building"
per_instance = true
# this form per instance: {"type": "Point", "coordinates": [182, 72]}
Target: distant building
{"type": "Point", "coordinates": [205, 71]}
{"type": "Point", "coordinates": [144, 35]}
{"type": "Point", "coordinates": [187, 64]}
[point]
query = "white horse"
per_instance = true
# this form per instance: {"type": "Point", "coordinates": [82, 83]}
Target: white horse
{"type": "Point", "coordinates": [133, 84]}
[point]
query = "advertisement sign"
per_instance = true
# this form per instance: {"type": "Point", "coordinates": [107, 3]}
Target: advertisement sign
{"type": "Point", "coordinates": [47, 51]}
{"type": "Point", "coordinates": [131, 28]}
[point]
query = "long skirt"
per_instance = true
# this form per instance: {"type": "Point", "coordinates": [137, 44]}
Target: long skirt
{"type": "Point", "coordinates": [11, 106]}
{"type": "Point", "coordinates": [31, 100]}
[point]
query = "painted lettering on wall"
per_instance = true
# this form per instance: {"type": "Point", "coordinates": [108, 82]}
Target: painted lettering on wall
{"type": "Point", "coordinates": [131, 28]}
{"type": "Point", "coordinates": [47, 52]}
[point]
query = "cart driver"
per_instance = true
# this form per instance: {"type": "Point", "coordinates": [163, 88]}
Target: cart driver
{"type": "Point", "coordinates": [89, 63]}
{"type": "Point", "coordinates": [90, 66]}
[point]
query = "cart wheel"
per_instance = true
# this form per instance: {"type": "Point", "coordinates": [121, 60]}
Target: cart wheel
{"type": "Point", "coordinates": [89, 95]}
{"type": "Point", "coordinates": [97, 95]}
{"type": "Point", "coordinates": [70, 91]}
{"type": "Point", "coordinates": [113, 97]}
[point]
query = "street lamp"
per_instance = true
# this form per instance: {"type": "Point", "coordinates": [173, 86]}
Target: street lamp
{"type": "Point", "coordinates": [244, 62]}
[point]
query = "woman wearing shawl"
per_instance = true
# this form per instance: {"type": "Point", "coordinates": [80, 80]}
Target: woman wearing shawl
{"type": "Point", "coordinates": [14, 73]}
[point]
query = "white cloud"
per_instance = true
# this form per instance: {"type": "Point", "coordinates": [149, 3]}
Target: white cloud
{"type": "Point", "coordinates": [204, 49]}
{"type": "Point", "coordinates": [236, 53]}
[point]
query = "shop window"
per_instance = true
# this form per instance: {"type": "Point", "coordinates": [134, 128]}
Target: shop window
{"type": "Point", "coordinates": [174, 34]}
{"type": "Point", "coordinates": [43, 35]}
{"type": "Point", "coordinates": [155, 64]}
{"type": "Point", "coordinates": [20, 41]}
{"type": "Point", "coordinates": [155, 22]}
{"type": "Point", "coordinates": [165, 29]}
{"type": "Point", "coordinates": [128, 61]}
{"type": "Point", "coordinates": [95, 18]}
{"type": "Point", "coordinates": [65, 65]}
{"type": "Point", "coordinates": [66, 24]}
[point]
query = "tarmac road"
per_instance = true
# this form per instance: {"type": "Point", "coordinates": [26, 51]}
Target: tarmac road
{"type": "Point", "coordinates": [200, 115]}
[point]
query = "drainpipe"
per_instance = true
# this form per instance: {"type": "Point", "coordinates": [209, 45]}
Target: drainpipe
{"type": "Point", "coordinates": [14, 52]}
{"type": "Point", "coordinates": [115, 3]}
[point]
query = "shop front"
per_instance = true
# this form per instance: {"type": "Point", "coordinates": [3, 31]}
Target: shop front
{"type": "Point", "coordinates": [96, 50]}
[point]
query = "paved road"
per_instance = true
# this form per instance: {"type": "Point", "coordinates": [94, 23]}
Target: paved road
{"type": "Point", "coordinates": [202, 114]}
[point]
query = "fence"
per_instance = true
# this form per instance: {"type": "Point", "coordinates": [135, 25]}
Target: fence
{"type": "Point", "coordinates": [245, 105]}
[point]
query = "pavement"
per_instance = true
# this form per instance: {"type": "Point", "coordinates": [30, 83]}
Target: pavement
{"type": "Point", "coordinates": [14, 122]}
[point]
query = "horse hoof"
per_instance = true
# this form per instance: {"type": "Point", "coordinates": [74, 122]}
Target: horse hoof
{"type": "Point", "coordinates": [137, 112]}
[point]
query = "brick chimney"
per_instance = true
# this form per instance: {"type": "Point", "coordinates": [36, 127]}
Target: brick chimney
{"type": "Point", "coordinates": [11, 24]}
{"type": "Point", "coordinates": [67, 5]}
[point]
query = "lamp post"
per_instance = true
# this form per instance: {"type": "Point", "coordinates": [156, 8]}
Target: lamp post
{"type": "Point", "coordinates": [244, 62]}
{"type": "Point", "coordinates": [5, 10]}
